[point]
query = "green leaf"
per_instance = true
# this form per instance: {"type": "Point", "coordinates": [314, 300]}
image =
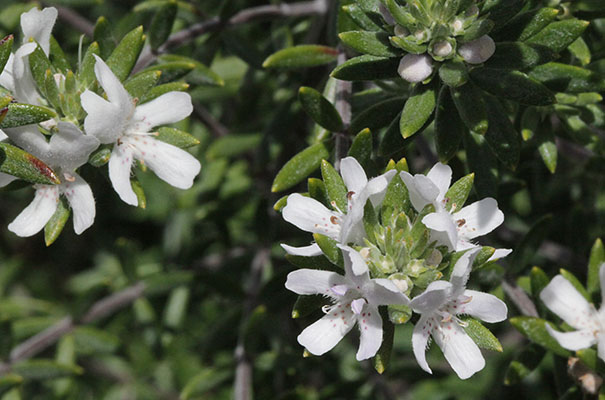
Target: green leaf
{"type": "Point", "coordinates": [16, 162]}
{"type": "Point", "coordinates": [57, 56]}
{"type": "Point", "coordinates": [329, 248]}
{"type": "Point", "coordinates": [172, 70]}
{"type": "Point", "coordinates": [399, 314]}
{"type": "Point", "coordinates": [400, 14]}
{"type": "Point", "coordinates": [100, 157]}
{"type": "Point", "coordinates": [512, 85]}
{"type": "Point", "coordinates": [360, 18]}
{"type": "Point", "coordinates": [391, 141]}
{"type": "Point", "coordinates": [314, 262]}
{"type": "Point", "coordinates": [163, 282]}
{"type": "Point", "coordinates": [530, 122]}
{"type": "Point", "coordinates": [481, 335]}
{"type": "Point", "coordinates": [471, 107]}
{"type": "Point", "coordinates": [161, 24]}
{"type": "Point", "coordinates": [597, 257]}
{"type": "Point", "coordinates": [501, 135]}
{"type": "Point", "coordinates": [458, 193]}
{"type": "Point", "coordinates": [592, 360]}
{"type": "Point", "coordinates": [383, 357]}
{"type": "Point", "coordinates": [361, 148]}
{"type": "Point", "coordinates": [8, 382]}
{"type": "Point", "coordinates": [125, 55]}
{"type": "Point", "coordinates": [319, 109]}
{"type": "Point", "coordinates": [547, 148]}
{"type": "Point", "coordinates": [51, 91]}
{"type": "Point", "coordinates": [104, 37]}
{"type": "Point", "coordinates": [449, 128]}
{"type": "Point", "coordinates": [299, 167]}
{"type": "Point", "coordinates": [281, 203]}
{"type": "Point", "coordinates": [417, 109]}
{"type": "Point", "coordinates": [408, 45]}
{"type": "Point", "coordinates": [56, 223]}
{"type": "Point", "coordinates": [538, 280]}
{"type": "Point", "coordinates": [302, 56]}
{"type": "Point", "coordinates": [453, 73]}
{"type": "Point", "coordinates": [25, 114]}
{"type": "Point", "coordinates": [6, 46]}
{"type": "Point", "coordinates": [373, 43]}
{"type": "Point", "coordinates": [528, 246]}
{"type": "Point", "coordinates": [378, 115]}
{"type": "Point", "coordinates": [204, 382]}
{"type": "Point", "coordinates": [476, 30]}
{"type": "Point", "coordinates": [90, 340]}
{"type": "Point", "coordinates": [481, 160]}
{"type": "Point", "coordinates": [39, 64]}
{"type": "Point", "coordinates": [396, 198]}
{"type": "Point", "coordinates": [558, 35]}
{"type": "Point", "coordinates": [335, 186]}
{"type": "Point", "coordinates": [524, 363]}
{"type": "Point", "coordinates": [483, 257]}
{"type": "Point", "coordinates": [527, 24]}
{"type": "Point", "coordinates": [176, 307]}
{"type": "Point", "coordinates": [159, 90]}
{"type": "Point", "coordinates": [40, 369]}
{"type": "Point", "coordinates": [575, 283]}
{"type": "Point", "coordinates": [501, 11]}
{"type": "Point", "coordinates": [317, 190]}
{"type": "Point", "coordinates": [179, 138]}
{"type": "Point", "coordinates": [233, 145]}
{"type": "Point", "coordinates": [534, 329]}
{"type": "Point", "coordinates": [581, 51]}
{"type": "Point", "coordinates": [568, 78]}
{"type": "Point", "coordinates": [86, 73]}
{"type": "Point", "coordinates": [306, 305]}
{"type": "Point", "coordinates": [367, 68]}
{"type": "Point", "coordinates": [518, 56]}
{"type": "Point", "coordinates": [138, 85]}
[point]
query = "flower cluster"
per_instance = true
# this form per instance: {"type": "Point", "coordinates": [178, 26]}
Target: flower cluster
{"type": "Point", "coordinates": [87, 119]}
{"type": "Point", "coordinates": [431, 31]}
{"type": "Point", "coordinates": [397, 236]}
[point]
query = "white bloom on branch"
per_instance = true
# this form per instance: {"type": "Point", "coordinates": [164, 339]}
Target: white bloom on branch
{"type": "Point", "coordinates": [344, 226]}
{"type": "Point", "coordinates": [563, 299]}
{"type": "Point", "coordinates": [415, 67]}
{"type": "Point", "coordinates": [120, 121]}
{"type": "Point", "coordinates": [478, 51]}
{"type": "Point", "coordinates": [439, 306]}
{"type": "Point", "coordinates": [355, 300]}
{"type": "Point", "coordinates": [67, 149]}
{"type": "Point", "coordinates": [458, 227]}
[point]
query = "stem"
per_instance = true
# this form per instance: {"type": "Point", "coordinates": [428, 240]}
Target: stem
{"type": "Point", "coordinates": [77, 21]}
{"type": "Point", "coordinates": [252, 14]}
{"type": "Point", "coordinates": [342, 103]}
{"type": "Point", "coordinates": [525, 305]}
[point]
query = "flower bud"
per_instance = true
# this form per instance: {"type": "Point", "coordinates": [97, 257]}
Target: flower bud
{"type": "Point", "coordinates": [415, 67]}
{"type": "Point", "coordinates": [401, 31]}
{"type": "Point", "coordinates": [457, 26]}
{"type": "Point", "coordinates": [478, 50]}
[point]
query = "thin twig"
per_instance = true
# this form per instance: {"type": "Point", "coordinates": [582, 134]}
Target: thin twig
{"type": "Point", "coordinates": [252, 14]}
{"type": "Point", "coordinates": [214, 125]}
{"type": "Point", "coordinates": [77, 21]}
{"type": "Point", "coordinates": [342, 103]}
{"type": "Point", "coordinates": [520, 299]}
{"type": "Point", "coordinates": [52, 334]}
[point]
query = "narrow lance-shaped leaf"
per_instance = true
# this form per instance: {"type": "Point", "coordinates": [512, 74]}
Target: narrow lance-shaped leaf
{"type": "Point", "coordinates": [453, 73]}
{"type": "Point", "coordinates": [579, 48]}
{"type": "Point", "coordinates": [319, 109]}
{"type": "Point", "coordinates": [534, 330]}
{"type": "Point", "coordinates": [482, 336]}
{"type": "Point", "coordinates": [471, 107]}
{"type": "Point", "coordinates": [527, 24]}
{"type": "Point", "coordinates": [367, 68]}
{"type": "Point", "coordinates": [373, 43]}
{"type": "Point", "coordinates": [335, 187]}
{"type": "Point", "coordinates": [360, 18]}
{"type": "Point", "coordinates": [378, 115]}
{"type": "Point", "coordinates": [104, 37]}
{"type": "Point", "coordinates": [55, 225]}
{"type": "Point", "coordinates": [299, 167]}
{"type": "Point", "coordinates": [482, 161]}
{"type": "Point", "coordinates": [458, 193]}
{"type": "Point", "coordinates": [305, 305]}
{"type": "Point", "coordinates": [501, 135]}
{"type": "Point", "coordinates": [512, 85]}
{"type": "Point", "coordinates": [330, 249]}
{"type": "Point", "coordinates": [57, 56]}
{"type": "Point", "coordinates": [449, 128]}
{"type": "Point", "coordinates": [528, 246]}
{"type": "Point", "coordinates": [418, 109]}
{"type": "Point", "coordinates": [6, 45]}
{"type": "Point", "coordinates": [547, 148]}
{"type": "Point", "coordinates": [124, 56]}
{"type": "Point", "coordinates": [383, 357]}
{"type": "Point", "coordinates": [86, 72]}
{"type": "Point", "coordinates": [519, 56]}
{"type": "Point", "coordinates": [568, 78]}
{"type": "Point", "coordinates": [301, 56]}
{"type": "Point", "coordinates": [23, 165]}
{"type": "Point", "coordinates": [597, 257]}
{"type": "Point", "coordinates": [361, 148]}
{"type": "Point", "coordinates": [161, 24]}
{"type": "Point", "coordinates": [524, 363]}
{"type": "Point", "coordinates": [177, 138]}
{"type": "Point", "coordinates": [560, 34]}
{"type": "Point", "coordinates": [140, 84]}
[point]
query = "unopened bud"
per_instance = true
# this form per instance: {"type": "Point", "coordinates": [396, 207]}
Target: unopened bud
{"type": "Point", "coordinates": [478, 50]}
{"type": "Point", "coordinates": [457, 25]}
{"type": "Point", "coordinates": [434, 258]}
{"type": "Point", "coordinates": [442, 48]}
{"type": "Point", "coordinates": [415, 67]}
{"type": "Point", "coordinates": [401, 284]}
{"type": "Point", "coordinates": [401, 31]}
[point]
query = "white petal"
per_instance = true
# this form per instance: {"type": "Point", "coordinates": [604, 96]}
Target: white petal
{"type": "Point", "coordinates": [442, 222]}
{"type": "Point", "coordinates": [434, 296]}
{"type": "Point", "coordinates": [29, 138]}
{"type": "Point", "coordinates": [479, 218]}
{"type": "Point", "coordinates": [354, 262]}
{"type": "Point", "coordinates": [601, 347]}
{"type": "Point", "coordinates": [462, 270]}
{"type": "Point", "coordinates": [120, 164]}
{"type": "Point", "coordinates": [420, 339]}
{"type": "Point", "coordinates": [415, 67]}
{"type": "Point", "coordinates": [377, 187]}
{"type": "Point", "coordinates": [421, 189]}
{"type": "Point", "coordinates": [80, 198]}
{"type": "Point", "coordinates": [353, 175]}
{"type": "Point", "coordinates": [7, 79]}
{"type": "Point", "coordinates": [484, 306]}
{"type": "Point", "coordinates": [575, 340]}
{"type": "Point", "coordinates": [168, 108]}
{"type": "Point", "coordinates": [499, 253]}
{"type": "Point", "coordinates": [370, 327]}
{"type": "Point", "coordinates": [105, 120]}
{"type": "Point", "coordinates": [24, 84]}
{"type": "Point", "coordinates": [171, 164]}
{"type": "Point", "coordinates": [564, 300]}
{"type": "Point", "coordinates": [602, 280]}
{"type": "Point", "coordinates": [312, 281]}
{"type": "Point", "coordinates": [115, 91]}
{"type": "Point", "coordinates": [33, 218]}
{"type": "Point", "coordinates": [459, 350]}
{"type": "Point", "coordinates": [441, 176]}
{"type": "Point", "coordinates": [311, 216]}
{"type": "Point", "coordinates": [382, 292]}
{"type": "Point", "coordinates": [306, 251]}
{"type": "Point", "coordinates": [5, 179]}
{"type": "Point", "coordinates": [324, 334]}
{"type": "Point", "coordinates": [69, 147]}
{"type": "Point", "coordinates": [477, 51]}
{"type": "Point", "coordinates": [38, 25]}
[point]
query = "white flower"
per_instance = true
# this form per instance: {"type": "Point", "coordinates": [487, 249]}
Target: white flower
{"type": "Point", "coordinates": [16, 76]}
{"type": "Point", "coordinates": [345, 227]}
{"type": "Point", "coordinates": [564, 300]}
{"type": "Point", "coordinates": [439, 306]}
{"type": "Point", "coordinates": [415, 67]}
{"type": "Point", "coordinates": [477, 51]}
{"type": "Point", "coordinates": [120, 121]}
{"type": "Point", "coordinates": [67, 149]}
{"type": "Point", "coordinates": [355, 300]}
{"type": "Point", "coordinates": [457, 227]}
